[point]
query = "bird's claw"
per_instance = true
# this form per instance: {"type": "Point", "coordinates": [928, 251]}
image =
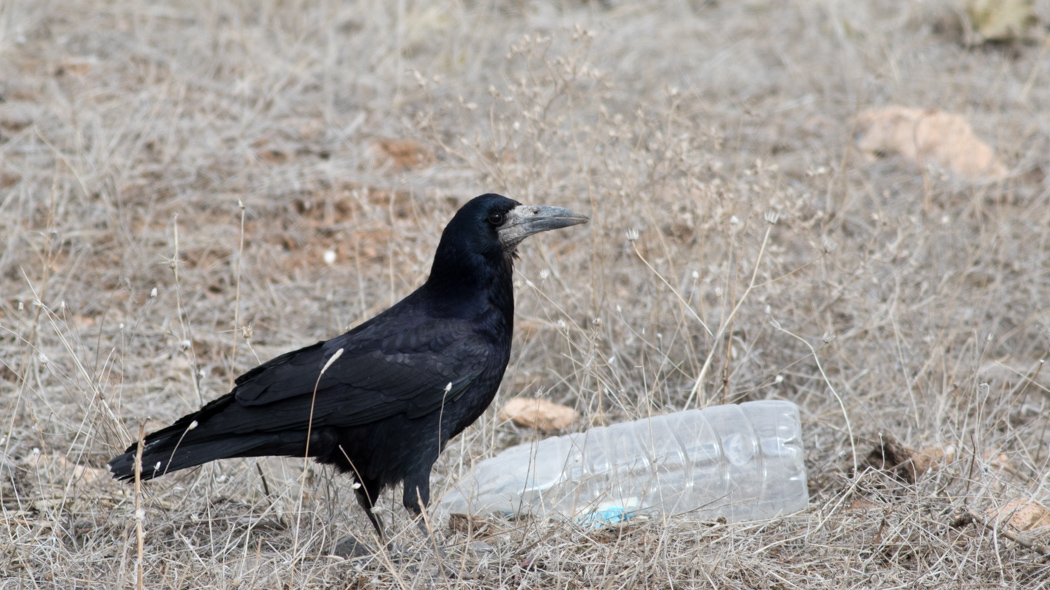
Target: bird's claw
{"type": "Point", "coordinates": [350, 547]}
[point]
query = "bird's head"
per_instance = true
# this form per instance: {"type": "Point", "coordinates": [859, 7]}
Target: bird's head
{"type": "Point", "coordinates": [488, 229]}
{"type": "Point", "coordinates": [492, 223]}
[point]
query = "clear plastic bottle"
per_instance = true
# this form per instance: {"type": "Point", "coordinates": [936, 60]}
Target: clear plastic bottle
{"type": "Point", "coordinates": [742, 462]}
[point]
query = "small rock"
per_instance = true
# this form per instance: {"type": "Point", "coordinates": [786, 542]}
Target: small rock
{"type": "Point", "coordinates": [537, 413]}
{"type": "Point", "coordinates": [906, 462]}
{"type": "Point", "coordinates": [928, 135]}
{"type": "Point", "coordinates": [1023, 514]}
{"type": "Point", "coordinates": [1001, 20]}
{"type": "Point", "coordinates": [862, 504]}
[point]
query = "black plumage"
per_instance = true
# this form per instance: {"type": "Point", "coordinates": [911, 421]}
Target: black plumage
{"type": "Point", "coordinates": [391, 392]}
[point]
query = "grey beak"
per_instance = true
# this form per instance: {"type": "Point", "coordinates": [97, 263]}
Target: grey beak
{"type": "Point", "coordinates": [525, 220]}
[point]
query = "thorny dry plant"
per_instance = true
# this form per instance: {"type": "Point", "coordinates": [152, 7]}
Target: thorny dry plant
{"type": "Point", "coordinates": [187, 190]}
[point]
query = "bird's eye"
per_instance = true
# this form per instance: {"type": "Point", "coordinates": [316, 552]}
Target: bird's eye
{"type": "Point", "coordinates": [495, 218]}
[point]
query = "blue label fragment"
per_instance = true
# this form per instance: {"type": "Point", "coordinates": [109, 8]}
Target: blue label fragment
{"type": "Point", "coordinates": [604, 516]}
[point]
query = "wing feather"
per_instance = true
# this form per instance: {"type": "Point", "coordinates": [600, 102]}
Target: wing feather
{"type": "Point", "coordinates": [380, 373]}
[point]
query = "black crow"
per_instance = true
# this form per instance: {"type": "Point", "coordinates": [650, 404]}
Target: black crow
{"type": "Point", "coordinates": [381, 401]}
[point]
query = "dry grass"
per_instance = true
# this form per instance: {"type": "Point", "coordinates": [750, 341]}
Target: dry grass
{"type": "Point", "coordinates": [131, 131]}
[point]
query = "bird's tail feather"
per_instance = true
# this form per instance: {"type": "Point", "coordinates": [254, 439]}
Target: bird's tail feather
{"type": "Point", "coordinates": [166, 456]}
{"type": "Point", "coordinates": [222, 430]}
{"type": "Point", "coordinates": [170, 450]}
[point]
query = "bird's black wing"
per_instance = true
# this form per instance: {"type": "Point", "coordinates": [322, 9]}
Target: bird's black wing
{"type": "Point", "coordinates": [379, 373]}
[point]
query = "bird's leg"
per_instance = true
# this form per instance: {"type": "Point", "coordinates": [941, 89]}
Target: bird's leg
{"type": "Point", "coordinates": [416, 498]}
{"type": "Point", "coordinates": [365, 500]}
{"type": "Point", "coordinates": [350, 545]}
{"type": "Point", "coordinates": [422, 525]}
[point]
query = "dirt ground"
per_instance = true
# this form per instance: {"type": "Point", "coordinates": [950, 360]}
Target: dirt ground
{"type": "Point", "coordinates": [190, 188]}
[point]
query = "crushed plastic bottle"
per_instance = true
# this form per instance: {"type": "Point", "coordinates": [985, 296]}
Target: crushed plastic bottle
{"type": "Point", "coordinates": [741, 462]}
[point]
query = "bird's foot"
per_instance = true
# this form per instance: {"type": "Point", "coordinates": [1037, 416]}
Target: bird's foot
{"type": "Point", "coordinates": [350, 547]}
{"type": "Point", "coordinates": [447, 565]}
